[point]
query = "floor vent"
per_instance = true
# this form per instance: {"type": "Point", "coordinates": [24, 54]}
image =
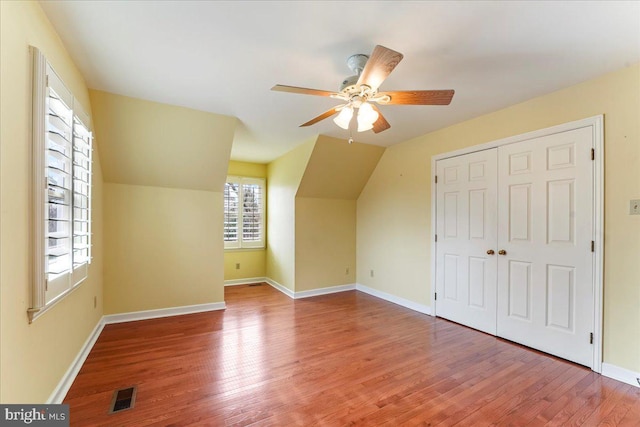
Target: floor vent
{"type": "Point", "coordinates": [123, 399]}
{"type": "Point", "coordinates": [255, 284]}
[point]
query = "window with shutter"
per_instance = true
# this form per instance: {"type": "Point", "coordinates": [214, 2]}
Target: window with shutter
{"type": "Point", "coordinates": [62, 189]}
{"type": "Point", "coordinates": [244, 213]}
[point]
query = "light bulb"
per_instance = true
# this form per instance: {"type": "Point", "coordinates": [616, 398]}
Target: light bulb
{"type": "Point", "coordinates": [344, 118]}
{"type": "Point", "coordinates": [362, 127]}
{"type": "Point", "coordinates": [367, 116]}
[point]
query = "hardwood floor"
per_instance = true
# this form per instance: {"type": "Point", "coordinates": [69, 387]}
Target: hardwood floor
{"type": "Point", "coordinates": [340, 359]}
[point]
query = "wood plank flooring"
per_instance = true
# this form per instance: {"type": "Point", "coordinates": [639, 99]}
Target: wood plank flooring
{"type": "Point", "coordinates": [333, 360]}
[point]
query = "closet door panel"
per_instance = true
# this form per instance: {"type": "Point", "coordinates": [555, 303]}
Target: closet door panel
{"type": "Point", "coordinates": [466, 228]}
{"type": "Point", "coordinates": [545, 223]}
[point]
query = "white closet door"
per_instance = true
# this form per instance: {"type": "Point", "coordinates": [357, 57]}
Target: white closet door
{"type": "Point", "coordinates": [545, 279]}
{"type": "Point", "coordinates": [466, 230]}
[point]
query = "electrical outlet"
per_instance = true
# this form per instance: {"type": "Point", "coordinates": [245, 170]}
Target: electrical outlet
{"type": "Point", "coordinates": [634, 207]}
{"type": "Point", "coordinates": [237, 266]}
{"type": "Point", "coordinates": [371, 273]}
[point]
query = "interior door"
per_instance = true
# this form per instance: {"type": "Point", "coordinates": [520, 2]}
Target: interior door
{"type": "Point", "coordinates": [545, 274]}
{"type": "Point", "coordinates": [466, 230]}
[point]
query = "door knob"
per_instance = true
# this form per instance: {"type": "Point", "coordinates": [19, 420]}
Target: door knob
{"type": "Point", "coordinates": [490, 252]}
{"type": "Point", "coordinates": [502, 252]}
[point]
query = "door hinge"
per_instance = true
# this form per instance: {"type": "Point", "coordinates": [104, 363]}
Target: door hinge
{"type": "Point", "coordinates": [436, 178]}
{"type": "Point", "coordinates": [591, 338]}
{"type": "Point", "coordinates": [436, 237]}
{"type": "Point", "coordinates": [593, 246]}
{"type": "Point", "coordinates": [593, 154]}
{"type": "Point", "coordinates": [46, 284]}
{"type": "Point", "coordinates": [435, 296]}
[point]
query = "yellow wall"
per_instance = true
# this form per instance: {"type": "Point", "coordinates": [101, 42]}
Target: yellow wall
{"type": "Point", "coordinates": [253, 170]}
{"type": "Point", "coordinates": [252, 265]}
{"type": "Point", "coordinates": [337, 169]}
{"type": "Point", "coordinates": [163, 248]}
{"type": "Point", "coordinates": [283, 178]}
{"type": "Point", "coordinates": [153, 144]}
{"type": "Point", "coordinates": [393, 221]}
{"type": "Point", "coordinates": [312, 212]}
{"type": "Point", "coordinates": [252, 262]}
{"type": "Point", "coordinates": [325, 243]}
{"type": "Point", "coordinates": [34, 357]}
{"type": "Point", "coordinates": [164, 171]}
{"type": "Point", "coordinates": [325, 212]}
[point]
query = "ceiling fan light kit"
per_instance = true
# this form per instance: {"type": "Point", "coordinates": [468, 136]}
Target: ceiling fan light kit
{"type": "Point", "coordinates": [360, 91]}
{"type": "Point", "coordinates": [367, 116]}
{"type": "Point", "coordinates": [344, 117]}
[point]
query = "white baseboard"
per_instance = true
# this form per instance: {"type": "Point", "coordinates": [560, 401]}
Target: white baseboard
{"type": "Point", "coordinates": [621, 374]}
{"type": "Point", "coordinates": [342, 288]}
{"type": "Point", "coordinates": [288, 292]}
{"type": "Point", "coordinates": [58, 394]}
{"type": "Point", "coordinates": [248, 281]}
{"type": "Point", "coordinates": [425, 309]}
{"type": "Point", "coordinates": [162, 312]}
{"type": "Point", "coordinates": [310, 293]}
{"type": "Point", "coordinates": [324, 291]}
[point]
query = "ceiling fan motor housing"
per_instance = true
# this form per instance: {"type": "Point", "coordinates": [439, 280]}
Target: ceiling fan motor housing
{"type": "Point", "coordinates": [356, 64]}
{"type": "Point", "coordinates": [348, 83]}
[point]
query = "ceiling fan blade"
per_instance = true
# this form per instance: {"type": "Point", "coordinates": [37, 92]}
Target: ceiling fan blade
{"type": "Point", "coordinates": [302, 90]}
{"type": "Point", "coordinates": [379, 65]}
{"type": "Point", "coordinates": [418, 97]}
{"type": "Point", "coordinates": [322, 116]}
{"type": "Point", "coordinates": [381, 124]}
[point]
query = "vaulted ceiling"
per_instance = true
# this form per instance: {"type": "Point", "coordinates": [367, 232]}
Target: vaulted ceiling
{"type": "Point", "coordinates": [224, 56]}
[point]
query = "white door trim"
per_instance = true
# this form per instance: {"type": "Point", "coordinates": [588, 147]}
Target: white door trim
{"type": "Point", "coordinates": [597, 125]}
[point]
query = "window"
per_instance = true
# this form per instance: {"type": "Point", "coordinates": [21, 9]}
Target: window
{"type": "Point", "coordinates": [62, 149]}
{"type": "Point", "coordinates": [244, 213]}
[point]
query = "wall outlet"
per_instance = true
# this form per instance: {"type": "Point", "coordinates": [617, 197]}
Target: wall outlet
{"type": "Point", "coordinates": [237, 266]}
{"type": "Point", "coordinates": [371, 273]}
{"type": "Point", "coordinates": [634, 207]}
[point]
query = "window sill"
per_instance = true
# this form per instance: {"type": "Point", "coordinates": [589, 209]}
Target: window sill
{"type": "Point", "coordinates": [245, 249]}
{"type": "Point", "coordinates": [35, 314]}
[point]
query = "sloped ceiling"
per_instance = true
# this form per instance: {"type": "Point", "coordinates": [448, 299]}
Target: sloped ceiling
{"type": "Point", "coordinates": [338, 170]}
{"type": "Point", "coordinates": [159, 145]}
{"type": "Point", "coordinates": [224, 56]}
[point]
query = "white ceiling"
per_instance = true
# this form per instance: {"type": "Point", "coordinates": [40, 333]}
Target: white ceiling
{"type": "Point", "coordinates": [224, 56]}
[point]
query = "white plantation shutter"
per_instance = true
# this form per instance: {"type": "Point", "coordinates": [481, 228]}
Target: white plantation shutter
{"type": "Point", "coordinates": [231, 215]}
{"type": "Point", "coordinates": [62, 188]}
{"type": "Point", "coordinates": [252, 215]}
{"type": "Point", "coordinates": [58, 163]}
{"type": "Point", "coordinates": [244, 213]}
{"type": "Point", "coordinates": [82, 156]}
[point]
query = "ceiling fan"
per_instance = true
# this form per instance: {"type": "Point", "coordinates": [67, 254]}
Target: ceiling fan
{"type": "Point", "coordinates": [360, 92]}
